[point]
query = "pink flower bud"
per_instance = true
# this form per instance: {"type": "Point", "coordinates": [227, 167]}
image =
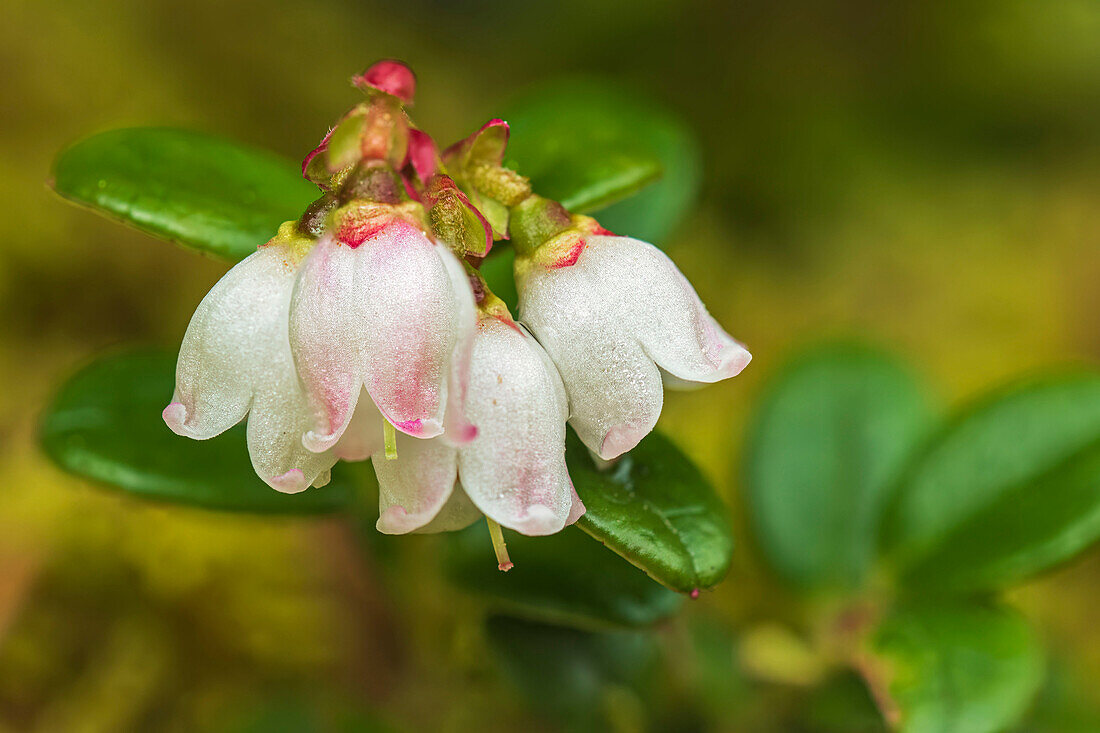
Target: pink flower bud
{"type": "Point", "coordinates": [392, 77]}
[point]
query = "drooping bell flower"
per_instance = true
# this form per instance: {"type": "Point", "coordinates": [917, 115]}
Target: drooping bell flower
{"type": "Point", "coordinates": [379, 306]}
{"type": "Point", "coordinates": [236, 360]}
{"type": "Point", "coordinates": [618, 319]}
{"type": "Point", "coordinates": [514, 472]}
{"type": "Point", "coordinates": [349, 324]}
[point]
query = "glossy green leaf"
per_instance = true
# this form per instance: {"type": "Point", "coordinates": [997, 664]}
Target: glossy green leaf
{"type": "Point", "coordinates": [105, 425]}
{"type": "Point", "coordinates": [590, 144]}
{"type": "Point", "coordinates": [956, 668]}
{"type": "Point", "coordinates": [199, 191]}
{"type": "Point", "coordinates": [569, 675]}
{"type": "Point", "coordinates": [1007, 489]}
{"type": "Point", "coordinates": [567, 578]}
{"type": "Point", "coordinates": [654, 508]}
{"type": "Point", "coordinates": [828, 438]}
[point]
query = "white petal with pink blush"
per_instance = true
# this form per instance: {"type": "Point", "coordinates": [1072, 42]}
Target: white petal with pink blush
{"type": "Point", "coordinates": [621, 322]}
{"type": "Point", "coordinates": [388, 314]}
{"type": "Point", "coordinates": [235, 360]}
{"type": "Point", "coordinates": [513, 472]}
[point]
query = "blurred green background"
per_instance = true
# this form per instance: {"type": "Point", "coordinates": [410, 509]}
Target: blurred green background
{"type": "Point", "coordinates": [920, 174]}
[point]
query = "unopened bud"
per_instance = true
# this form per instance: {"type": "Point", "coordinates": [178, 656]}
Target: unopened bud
{"type": "Point", "coordinates": [391, 77]}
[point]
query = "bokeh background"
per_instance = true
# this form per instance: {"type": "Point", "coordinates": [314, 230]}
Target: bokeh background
{"type": "Point", "coordinates": [923, 174]}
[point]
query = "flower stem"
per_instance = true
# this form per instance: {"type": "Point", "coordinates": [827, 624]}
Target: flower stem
{"type": "Point", "coordinates": [390, 435]}
{"type": "Point", "coordinates": [504, 563]}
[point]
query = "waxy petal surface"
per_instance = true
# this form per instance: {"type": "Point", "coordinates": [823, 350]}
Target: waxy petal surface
{"type": "Point", "coordinates": [214, 374]}
{"type": "Point", "coordinates": [515, 470]}
{"type": "Point", "coordinates": [612, 318]}
{"type": "Point", "coordinates": [458, 513]}
{"type": "Point", "coordinates": [414, 487]}
{"type": "Point", "coordinates": [412, 307]}
{"type": "Point", "coordinates": [327, 330]}
{"type": "Point", "coordinates": [236, 357]}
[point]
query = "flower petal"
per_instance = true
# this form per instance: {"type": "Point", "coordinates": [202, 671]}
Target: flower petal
{"type": "Point", "coordinates": [280, 413]}
{"type": "Point", "coordinates": [670, 322]}
{"type": "Point", "coordinates": [614, 388]}
{"type": "Point", "coordinates": [327, 329]}
{"type": "Point", "coordinates": [609, 317]}
{"type": "Point", "coordinates": [576, 509]}
{"type": "Point", "coordinates": [458, 513]}
{"type": "Point", "coordinates": [363, 437]}
{"type": "Point", "coordinates": [232, 334]}
{"type": "Point", "coordinates": [414, 487]}
{"type": "Point", "coordinates": [411, 308]}
{"type": "Point", "coordinates": [515, 471]}
{"type": "Point", "coordinates": [457, 427]}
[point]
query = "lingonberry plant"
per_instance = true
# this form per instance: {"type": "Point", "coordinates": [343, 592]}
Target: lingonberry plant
{"type": "Point", "coordinates": [457, 317]}
{"type": "Point", "coordinates": [366, 325]}
{"type": "Point", "coordinates": [360, 321]}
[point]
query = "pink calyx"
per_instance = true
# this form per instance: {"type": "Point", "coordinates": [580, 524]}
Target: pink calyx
{"type": "Point", "coordinates": [321, 147]}
{"type": "Point", "coordinates": [423, 155]}
{"type": "Point", "coordinates": [570, 257]}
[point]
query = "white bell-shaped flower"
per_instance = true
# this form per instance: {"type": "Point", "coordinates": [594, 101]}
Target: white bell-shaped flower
{"type": "Point", "coordinates": [372, 322]}
{"type": "Point", "coordinates": [514, 472]}
{"type": "Point", "coordinates": [380, 307]}
{"type": "Point", "coordinates": [619, 321]}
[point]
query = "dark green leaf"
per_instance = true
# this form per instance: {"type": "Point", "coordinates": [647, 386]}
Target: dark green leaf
{"type": "Point", "coordinates": [590, 144]}
{"type": "Point", "coordinates": [567, 578]}
{"type": "Point", "coordinates": [105, 425]}
{"type": "Point", "coordinates": [827, 440]}
{"type": "Point", "coordinates": [654, 508]}
{"type": "Point", "coordinates": [200, 191]}
{"type": "Point", "coordinates": [572, 675]}
{"type": "Point", "coordinates": [1009, 488]}
{"type": "Point", "coordinates": [842, 704]}
{"type": "Point", "coordinates": [956, 669]}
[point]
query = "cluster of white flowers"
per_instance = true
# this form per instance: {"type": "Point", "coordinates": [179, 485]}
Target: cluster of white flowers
{"type": "Point", "coordinates": [364, 331]}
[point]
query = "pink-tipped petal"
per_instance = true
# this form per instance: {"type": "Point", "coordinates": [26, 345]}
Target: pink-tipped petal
{"type": "Point", "coordinates": [458, 513]}
{"type": "Point", "coordinates": [414, 487]}
{"type": "Point", "coordinates": [327, 329]}
{"type": "Point", "coordinates": [364, 435]}
{"type": "Point", "coordinates": [613, 320]}
{"type": "Point", "coordinates": [232, 334]}
{"type": "Point", "coordinates": [615, 391]}
{"type": "Point", "coordinates": [576, 511]}
{"type": "Point", "coordinates": [671, 322]}
{"type": "Point", "coordinates": [623, 438]}
{"type": "Point", "coordinates": [175, 417]}
{"type": "Point", "coordinates": [414, 323]}
{"type": "Point", "coordinates": [515, 471]}
{"type": "Point", "coordinates": [291, 482]}
{"type": "Point", "coordinates": [280, 412]}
